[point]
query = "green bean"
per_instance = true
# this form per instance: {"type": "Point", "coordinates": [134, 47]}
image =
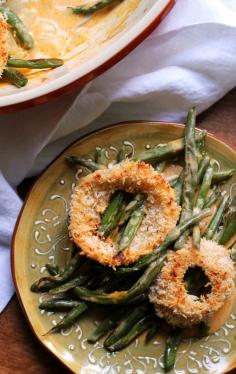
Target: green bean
{"type": "Point", "coordinates": [89, 164]}
{"type": "Point", "coordinates": [201, 199]}
{"type": "Point", "coordinates": [178, 187]}
{"type": "Point", "coordinates": [163, 151]}
{"type": "Point", "coordinates": [127, 322]}
{"type": "Point", "coordinates": [114, 283]}
{"type": "Point", "coordinates": [160, 167]}
{"type": "Point", "coordinates": [139, 299]}
{"type": "Point", "coordinates": [95, 280]}
{"type": "Point", "coordinates": [214, 196]}
{"type": "Point", "coordinates": [74, 250]}
{"type": "Point", "coordinates": [42, 63]}
{"type": "Point", "coordinates": [204, 329]}
{"type": "Point", "coordinates": [222, 176]}
{"type": "Point", "coordinates": [92, 282]}
{"type": "Point", "coordinates": [43, 284]}
{"type": "Point", "coordinates": [78, 281]}
{"type": "Point", "coordinates": [20, 31]}
{"type": "Point", "coordinates": [134, 204]}
{"type": "Point", "coordinates": [133, 333]}
{"type": "Point", "coordinates": [233, 253]}
{"type": "Point", "coordinates": [132, 227]}
{"type": "Point", "coordinates": [191, 164]}
{"type": "Point", "coordinates": [121, 154]}
{"type": "Point", "coordinates": [201, 148]}
{"type": "Point", "coordinates": [70, 317]}
{"type": "Point", "coordinates": [118, 231]}
{"type": "Point", "coordinates": [52, 269]}
{"type": "Point", "coordinates": [170, 239]}
{"type": "Point", "coordinates": [173, 182]}
{"type": "Point", "coordinates": [106, 325]}
{"type": "Point", "coordinates": [172, 345]}
{"type": "Point", "coordinates": [14, 77]}
{"type": "Point", "coordinates": [106, 278]}
{"type": "Point", "coordinates": [190, 174]}
{"type": "Point", "coordinates": [202, 168]}
{"type": "Point", "coordinates": [216, 219]}
{"type": "Point", "coordinates": [100, 156]}
{"type": "Point", "coordinates": [88, 10]}
{"type": "Point", "coordinates": [195, 281]}
{"type": "Point", "coordinates": [55, 304]}
{"type": "Point", "coordinates": [216, 237]}
{"type": "Point", "coordinates": [46, 283]}
{"type": "Point", "coordinates": [112, 213]}
{"type": "Point", "coordinates": [153, 330]}
{"type": "Point", "coordinates": [75, 262]}
{"type": "Point", "coordinates": [229, 227]}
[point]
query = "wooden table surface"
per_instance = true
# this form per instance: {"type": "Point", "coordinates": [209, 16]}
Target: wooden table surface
{"type": "Point", "coordinates": [19, 351]}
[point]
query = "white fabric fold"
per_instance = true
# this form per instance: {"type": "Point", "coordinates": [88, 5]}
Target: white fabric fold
{"type": "Point", "coordinates": [9, 208]}
{"type": "Point", "coordinates": [190, 59]}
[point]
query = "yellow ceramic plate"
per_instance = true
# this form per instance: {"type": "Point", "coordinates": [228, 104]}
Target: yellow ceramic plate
{"type": "Point", "coordinates": [41, 236]}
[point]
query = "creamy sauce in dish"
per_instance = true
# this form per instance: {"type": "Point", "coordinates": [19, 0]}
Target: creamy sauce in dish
{"type": "Point", "coordinates": [59, 33]}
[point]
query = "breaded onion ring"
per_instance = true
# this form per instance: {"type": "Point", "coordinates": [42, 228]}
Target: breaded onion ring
{"type": "Point", "coordinates": [169, 295]}
{"type": "Point", "coordinates": [91, 197]}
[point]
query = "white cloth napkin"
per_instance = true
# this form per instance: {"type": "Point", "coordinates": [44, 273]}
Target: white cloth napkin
{"type": "Point", "coordinates": [189, 60]}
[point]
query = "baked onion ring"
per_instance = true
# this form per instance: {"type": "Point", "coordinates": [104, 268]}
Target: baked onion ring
{"type": "Point", "coordinates": [169, 294]}
{"type": "Point", "coordinates": [91, 197]}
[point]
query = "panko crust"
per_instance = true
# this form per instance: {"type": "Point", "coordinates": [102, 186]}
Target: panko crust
{"type": "Point", "coordinates": [168, 293]}
{"type": "Point", "coordinates": [3, 44]}
{"type": "Point", "coordinates": [91, 197]}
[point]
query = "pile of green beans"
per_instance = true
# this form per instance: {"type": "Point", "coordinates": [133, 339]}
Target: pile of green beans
{"type": "Point", "coordinates": [26, 41]}
{"type": "Point", "coordinates": [124, 292]}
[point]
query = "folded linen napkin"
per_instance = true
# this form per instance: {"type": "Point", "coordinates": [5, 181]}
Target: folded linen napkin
{"type": "Point", "coordinates": [189, 60]}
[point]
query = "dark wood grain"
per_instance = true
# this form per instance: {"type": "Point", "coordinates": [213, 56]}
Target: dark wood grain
{"type": "Point", "coordinates": [220, 119]}
{"type": "Point", "coordinates": [19, 350]}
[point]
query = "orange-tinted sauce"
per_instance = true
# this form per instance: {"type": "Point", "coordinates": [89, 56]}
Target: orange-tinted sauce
{"type": "Point", "coordinates": [60, 33]}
